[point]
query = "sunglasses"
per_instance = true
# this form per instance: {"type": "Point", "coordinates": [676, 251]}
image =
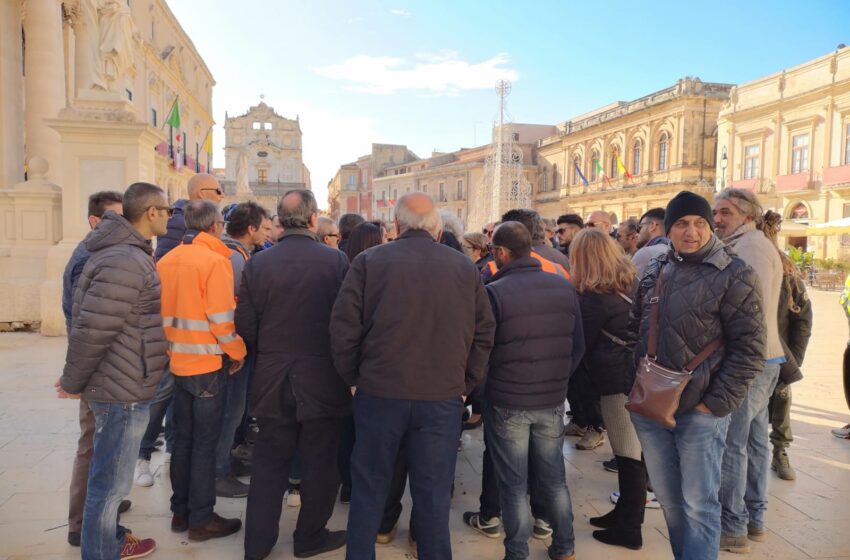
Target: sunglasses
{"type": "Point", "coordinates": [168, 209]}
{"type": "Point", "coordinates": [590, 225]}
{"type": "Point", "coordinates": [219, 192]}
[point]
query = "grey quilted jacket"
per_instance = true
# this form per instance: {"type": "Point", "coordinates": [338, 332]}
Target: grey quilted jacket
{"type": "Point", "coordinates": [116, 348]}
{"type": "Point", "coordinates": [718, 296]}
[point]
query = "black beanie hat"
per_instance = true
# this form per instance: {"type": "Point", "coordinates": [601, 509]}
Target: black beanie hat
{"type": "Point", "coordinates": [687, 204]}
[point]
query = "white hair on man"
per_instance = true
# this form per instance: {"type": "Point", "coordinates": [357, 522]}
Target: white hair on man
{"type": "Point", "coordinates": [416, 211]}
{"type": "Point", "coordinates": [451, 223]}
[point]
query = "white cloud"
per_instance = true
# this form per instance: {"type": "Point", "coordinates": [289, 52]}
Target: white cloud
{"type": "Point", "coordinates": [401, 13]}
{"type": "Point", "coordinates": [442, 73]}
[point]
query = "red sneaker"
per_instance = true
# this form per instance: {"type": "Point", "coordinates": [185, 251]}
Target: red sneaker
{"type": "Point", "coordinates": [133, 547]}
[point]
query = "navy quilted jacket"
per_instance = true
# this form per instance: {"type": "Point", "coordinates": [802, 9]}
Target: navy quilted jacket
{"type": "Point", "coordinates": [700, 301]}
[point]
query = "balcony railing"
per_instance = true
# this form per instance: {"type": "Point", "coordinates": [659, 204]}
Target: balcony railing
{"type": "Point", "coordinates": [834, 176]}
{"type": "Point", "coordinates": [794, 182]}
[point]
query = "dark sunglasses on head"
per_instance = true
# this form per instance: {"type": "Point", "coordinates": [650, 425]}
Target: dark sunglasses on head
{"type": "Point", "coordinates": [219, 192]}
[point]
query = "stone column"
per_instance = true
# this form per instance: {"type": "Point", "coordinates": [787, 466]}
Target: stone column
{"type": "Point", "coordinates": [11, 100]}
{"type": "Point", "coordinates": [45, 80]}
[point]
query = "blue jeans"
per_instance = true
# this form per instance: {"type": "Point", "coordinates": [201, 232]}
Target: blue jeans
{"type": "Point", "coordinates": [118, 432]}
{"type": "Point", "coordinates": [236, 397]}
{"type": "Point", "coordinates": [160, 404]}
{"type": "Point", "coordinates": [430, 430]}
{"type": "Point", "coordinates": [684, 466]}
{"type": "Point", "coordinates": [517, 438]}
{"type": "Point", "coordinates": [746, 462]}
{"type": "Point", "coordinates": [198, 408]}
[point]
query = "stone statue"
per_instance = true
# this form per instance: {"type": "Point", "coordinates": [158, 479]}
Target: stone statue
{"type": "Point", "coordinates": [242, 185]}
{"type": "Point", "coordinates": [104, 44]}
{"type": "Point", "coordinates": [116, 40]}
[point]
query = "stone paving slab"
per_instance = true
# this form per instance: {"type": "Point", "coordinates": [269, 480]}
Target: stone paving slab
{"type": "Point", "coordinates": [808, 518]}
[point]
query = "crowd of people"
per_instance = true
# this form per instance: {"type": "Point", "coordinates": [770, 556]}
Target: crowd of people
{"type": "Point", "coordinates": [341, 360]}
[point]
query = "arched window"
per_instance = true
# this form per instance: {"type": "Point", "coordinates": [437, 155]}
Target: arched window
{"type": "Point", "coordinates": [594, 161]}
{"type": "Point", "coordinates": [636, 158]}
{"type": "Point", "coordinates": [576, 169]}
{"type": "Point", "coordinates": [663, 145]}
{"type": "Point", "coordinates": [544, 181]}
{"type": "Point", "coordinates": [799, 212]}
{"type": "Point", "coordinates": [614, 170]}
{"type": "Point", "coordinates": [556, 183]}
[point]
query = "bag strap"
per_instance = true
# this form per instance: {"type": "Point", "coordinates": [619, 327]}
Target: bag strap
{"type": "Point", "coordinates": [615, 339]}
{"type": "Point", "coordinates": [653, 333]}
{"type": "Point", "coordinates": [702, 356]}
{"type": "Point", "coordinates": [652, 348]}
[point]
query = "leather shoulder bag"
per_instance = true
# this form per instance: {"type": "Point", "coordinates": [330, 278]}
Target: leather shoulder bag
{"type": "Point", "coordinates": [658, 389]}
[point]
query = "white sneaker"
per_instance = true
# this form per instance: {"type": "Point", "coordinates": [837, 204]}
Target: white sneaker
{"type": "Point", "coordinates": [293, 498]}
{"type": "Point", "coordinates": [651, 500]}
{"type": "Point", "coordinates": [143, 476]}
{"type": "Point", "coordinates": [843, 433]}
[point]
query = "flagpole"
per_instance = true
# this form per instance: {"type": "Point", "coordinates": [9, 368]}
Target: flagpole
{"type": "Point", "coordinates": [171, 142]}
{"type": "Point", "coordinates": [197, 159]}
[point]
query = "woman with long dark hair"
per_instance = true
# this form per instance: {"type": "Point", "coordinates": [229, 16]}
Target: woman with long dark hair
{"type": "Point", "coordinates": [363, 237]}
{"type": "Point", "coordinates": [605, 279]}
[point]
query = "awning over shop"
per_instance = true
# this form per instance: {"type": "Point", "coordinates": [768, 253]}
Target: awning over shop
{"type": "Point", "coordinates": [835, 227]}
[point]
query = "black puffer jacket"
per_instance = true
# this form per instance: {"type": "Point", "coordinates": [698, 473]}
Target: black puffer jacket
{"type": "Point", "coordinates": [539, 338]}
{"type": "Point", "coordinates": [116, 347]}
{"type": "Point", "coordinates": [609, 363]}
{"type": "Point", "coordinates": [701, 299]}
{"type": "Point", "coordinates": [176, 230]}
{"type": "Point", "coordinates": [795, 328]}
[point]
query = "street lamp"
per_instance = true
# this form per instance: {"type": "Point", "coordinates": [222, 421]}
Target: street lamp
{"type": "Point", "coordinates": [724, 161]}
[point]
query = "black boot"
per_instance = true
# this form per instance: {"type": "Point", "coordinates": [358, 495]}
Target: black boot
{"type": "Point", "coordinates": [628, 515]}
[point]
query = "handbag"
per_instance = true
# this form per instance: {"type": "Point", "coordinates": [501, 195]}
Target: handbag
{"type": "Point", "coordinates": [658, 389]}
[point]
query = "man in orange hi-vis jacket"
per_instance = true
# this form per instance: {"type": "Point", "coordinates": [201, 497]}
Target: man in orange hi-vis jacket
{"type": "Point", "coordinates": [197, 312]}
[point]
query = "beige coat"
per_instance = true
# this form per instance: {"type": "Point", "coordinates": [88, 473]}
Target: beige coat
{"type": "Point", "coordinates": [759, 253]}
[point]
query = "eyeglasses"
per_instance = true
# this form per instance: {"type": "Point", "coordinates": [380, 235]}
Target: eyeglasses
{"type": "Point", "coordinates": [219, 192]}
{"type": "Point", "coordinates": [590, 225]}
{"type": "Point", "coordinates": [168, 209]}
{"type": "Point", "coordinates": [494, 248]}
{"type": "Point", "coordinates": [332, 235]}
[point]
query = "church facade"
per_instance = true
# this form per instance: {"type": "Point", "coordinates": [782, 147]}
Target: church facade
{"type": "Point", "coordinates": [263, 156]}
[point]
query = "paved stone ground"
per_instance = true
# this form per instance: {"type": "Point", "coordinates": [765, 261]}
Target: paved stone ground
{"type": "Point", "coordinates": [808, 518]}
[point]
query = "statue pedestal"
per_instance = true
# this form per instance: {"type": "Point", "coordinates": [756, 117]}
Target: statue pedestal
{"type": "Point", "coordinates": [101, 150]}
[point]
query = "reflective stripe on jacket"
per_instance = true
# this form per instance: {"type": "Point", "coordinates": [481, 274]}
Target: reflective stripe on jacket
{"type": "Point", "coordinates": [545, 264]}
{"type": "Point", "coordinates": [198, 305]}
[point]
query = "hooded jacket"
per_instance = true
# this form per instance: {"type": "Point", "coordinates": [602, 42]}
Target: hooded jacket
{"type": "Point", "coordinates": [705, 296]}
{"type": "Point", "coordinates": [116, 346]}
{"type": "Point", "coordinates": [655, 247]}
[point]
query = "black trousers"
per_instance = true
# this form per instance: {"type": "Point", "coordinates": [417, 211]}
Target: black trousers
{"type": "Point", "coordinates": [317, 442]}
{"type": "Point", "coordinates": [584, 400]}
{"type": "Point", "coordinates": [847, 374]}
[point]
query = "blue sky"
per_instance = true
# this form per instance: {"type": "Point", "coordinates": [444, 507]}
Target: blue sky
{"type": "Point", "coordinates": [422, 73]}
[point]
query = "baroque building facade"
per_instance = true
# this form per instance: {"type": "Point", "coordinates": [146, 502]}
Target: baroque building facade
{"type": "Point", "coordinates": [85, 89]}
{"type": "Point", "coordinates": [263, 156]}
{"type": "Point", "coordinates": [786, 137]}
{"type": "Point", "coordinates": [628, 157]}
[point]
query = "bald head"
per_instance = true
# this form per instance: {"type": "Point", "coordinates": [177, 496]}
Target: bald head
{"type": "Point", "coordinates": [203, 186]}
{"type": "Point", "coordinates": [416, 211]}
{"type": "Point", "coordinates": [600, 220]}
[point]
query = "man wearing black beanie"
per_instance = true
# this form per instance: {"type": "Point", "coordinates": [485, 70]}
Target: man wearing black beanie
{"type": "Point", "coordinates": [706, 295]}
{"type": "Point", "coordinates": [687, 204]}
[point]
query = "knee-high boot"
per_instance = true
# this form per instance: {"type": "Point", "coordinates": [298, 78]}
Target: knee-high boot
{"type": "Point", "coordinates": [627, 518]}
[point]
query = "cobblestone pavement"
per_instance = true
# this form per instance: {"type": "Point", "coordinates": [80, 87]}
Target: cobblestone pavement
{"type": "Point", "coordinates": [807, 518]}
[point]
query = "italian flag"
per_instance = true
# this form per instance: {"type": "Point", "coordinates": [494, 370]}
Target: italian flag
{"type": "Point", "coordinates": [601, 171]}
